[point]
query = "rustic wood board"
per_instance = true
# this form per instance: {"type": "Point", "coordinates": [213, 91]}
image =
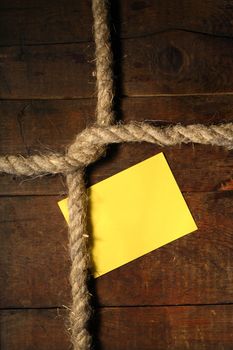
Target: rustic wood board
{"type": "Point", "coordinates": [197, 268]}
{"type": "Point", "coordinates": [187, 327]}
{"type": "Point", "coordinates": [24, 22]}
{"type": "Point", "coordinates": [174, 64]}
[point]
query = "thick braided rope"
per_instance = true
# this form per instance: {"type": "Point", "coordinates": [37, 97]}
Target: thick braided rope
{"type": "Point", "coordinates": [80, 312]}
{"type": "Point", "coordinates": [87, 146]}
{"type": "Point", "coordinates": [104, 62]}
{"type": "Point", "coordinates": [77, 203]}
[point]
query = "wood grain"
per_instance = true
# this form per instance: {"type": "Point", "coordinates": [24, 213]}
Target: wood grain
{"type": "Point", "coordinates": [27, 126]}
{"type": "Point", "coordinates": [195, 269]}
{"type": "Point", "coordinates": [24, 23]}
{"type": "Point", "coordinates": [45, 71]}
{"type": "Point", "coordinates": [168, 63]}
{"type": "Point", "coordinates": [174, 61]}
{"type": "Point", "coordinates": [33, 330]}
{"type": "Point", "coordinates": [190, 327]}
{"type": "Point", "coordinates": [141, 18]}
{"type": "Point", "coordinates": [196, 328]}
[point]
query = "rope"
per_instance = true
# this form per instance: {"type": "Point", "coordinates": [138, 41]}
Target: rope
{"type": "Point", "coordinates": [77, 200]}
{"type": "Point", "coordinates": [104, 73]}
{"type": "Point", "coordinates": [80, 260]}
{"type": "Point", "coordinates": [88, 146]}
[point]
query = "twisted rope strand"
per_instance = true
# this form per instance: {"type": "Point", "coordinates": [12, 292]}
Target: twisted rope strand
{"type": "Point", "coordinates": [88, 145]}
{"type": "Point", "coordinates": [79, 248]}
{"type": "Point", "coordinates": [80, 261]}
{"type": "Point", "coordinates": [104, 63]}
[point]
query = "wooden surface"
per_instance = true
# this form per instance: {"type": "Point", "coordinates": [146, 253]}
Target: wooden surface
{"type": "Point", "coordinates": [173, 327]}
{"type": "Point", "coordinates": [174, 64]}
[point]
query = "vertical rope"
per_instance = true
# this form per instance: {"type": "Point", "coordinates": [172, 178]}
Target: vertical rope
{"type": "Point", "coordinates": [80, 259]}
{"type": "Point", "coordinates": [87, 148]}
{"type": "Point", "coordinates": [104, 63]}
{"type": "Point", "coordinates": [77, 203]}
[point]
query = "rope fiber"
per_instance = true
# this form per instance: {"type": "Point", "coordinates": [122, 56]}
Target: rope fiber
{"type": "Point", "coordinates": [89, 146]}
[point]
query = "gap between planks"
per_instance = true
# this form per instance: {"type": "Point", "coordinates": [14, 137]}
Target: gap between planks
{"type": "Point", "coordinates": [123, 96]}
{"type": "Point", "coordinates": [123, 38]}
{"type": "Point", "coordinates": [61, 307]}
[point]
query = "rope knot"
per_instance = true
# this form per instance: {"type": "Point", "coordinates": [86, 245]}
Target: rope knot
{"type": "Point", "coordinates": [86, 148]}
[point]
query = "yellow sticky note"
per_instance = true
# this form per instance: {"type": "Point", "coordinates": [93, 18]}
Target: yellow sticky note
{"type": "Point", "coordinates": [134, 212]}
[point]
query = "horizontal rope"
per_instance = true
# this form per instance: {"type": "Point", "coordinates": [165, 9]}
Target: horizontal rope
{"type": "Point", "coordinates": [88, 145]}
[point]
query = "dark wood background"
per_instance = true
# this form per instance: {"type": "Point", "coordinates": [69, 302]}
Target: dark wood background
{"type": "Point", "coordinates": [174, 63]}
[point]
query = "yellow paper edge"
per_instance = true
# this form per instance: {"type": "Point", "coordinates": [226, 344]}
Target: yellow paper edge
{"type": "Point", "coordinates": [114, 248]}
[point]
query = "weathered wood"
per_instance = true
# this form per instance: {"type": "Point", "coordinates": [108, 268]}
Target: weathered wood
{"type": "Point", "coordinates": [47, 71]}
{"type": "Point", "coordinates": [168, 63]}
{"type": "Point", "coordinates": [196, 328]}
{"type": "Point", "coordinates": [195, 269]}
{"type": "Point", "coordinates": [23, 22]}
{"type": "Point", "coordinates": [150, 16]}
{"type": "Point", "coordinates": [27, 127]}
{"type": "Point", "coordinates": [176, 63]}
{"type": "Point", "coordinates": [34, 254]}
{"type": "Point", "coordinates": [33, 330]}
{"type": "Point", "coordinates": [49, 54]}
{"type": "Point", "coordinates": [189, 327]}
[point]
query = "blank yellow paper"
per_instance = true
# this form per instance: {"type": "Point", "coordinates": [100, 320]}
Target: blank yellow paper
{"type": "Point", "coordinates": [134, 212]}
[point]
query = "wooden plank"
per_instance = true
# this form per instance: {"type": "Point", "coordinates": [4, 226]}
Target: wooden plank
{"type": "Point", "coordinates": [47, 71]}
{"type": "Point", "coordinates": [196, 328]}
{"type": "Point", "coordinates": [195, 269]}
{"type": "Point", "coordinates": [189, 327]}
{"type": "Point", "coordinates": [150, 16]}
{"type": "Point", "coordinates": [168, 63]}
{"type": "Point", "coordinates": [43, 271]}
{"type": "Point", "coordinates": [33, 330]}
{"type": "Point", "coordinates": [176, 63]}
{"type": "Point", "coordinates": [52, 59]}
{"type": "Point", "coordinates": [28, 127]}
{"type": "Point", "coordinates": [24, 23]}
